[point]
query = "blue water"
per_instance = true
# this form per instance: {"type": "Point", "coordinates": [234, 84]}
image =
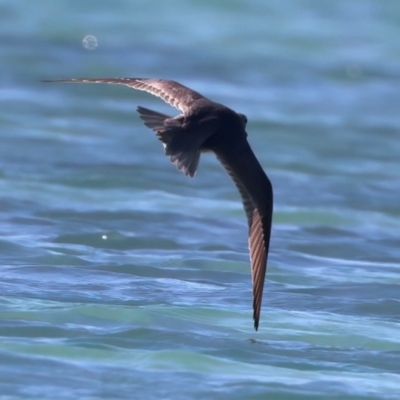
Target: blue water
{"type": "Point", "coordinates": [120, 278]}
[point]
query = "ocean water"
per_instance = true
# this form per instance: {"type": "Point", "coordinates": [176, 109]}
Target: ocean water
{"type": "Point", "coordinates": [120, 278]}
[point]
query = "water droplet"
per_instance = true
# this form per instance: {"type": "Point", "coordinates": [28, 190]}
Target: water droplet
{"type": "Point", "coordinates": [90, 42]}
{"type": "Point", "coordinates": [104, 237]}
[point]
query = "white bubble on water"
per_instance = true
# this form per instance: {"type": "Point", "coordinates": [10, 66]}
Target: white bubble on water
{"type": "Point", "coordinates": [104, 237]}
{"type": "Point", "coordinates": [89, 42]}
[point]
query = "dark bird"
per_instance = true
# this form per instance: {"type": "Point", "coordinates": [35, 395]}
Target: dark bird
{"type": "Point", "coordinates": [208, 126]}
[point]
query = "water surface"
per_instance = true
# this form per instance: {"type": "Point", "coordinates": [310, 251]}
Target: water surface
{"type": "Point", "coordinates": [121, 278]}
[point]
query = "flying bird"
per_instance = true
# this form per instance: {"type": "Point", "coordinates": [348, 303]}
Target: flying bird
{"type": "Point", "coordinates": [205, 125]}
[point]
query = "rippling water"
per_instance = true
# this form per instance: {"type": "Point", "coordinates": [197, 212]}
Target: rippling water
{"type": "Point", "coordinates": [121, 278]}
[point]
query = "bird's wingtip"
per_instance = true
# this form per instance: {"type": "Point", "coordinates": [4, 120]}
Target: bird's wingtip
{"type": "Point", "coordinates": [57, 80]}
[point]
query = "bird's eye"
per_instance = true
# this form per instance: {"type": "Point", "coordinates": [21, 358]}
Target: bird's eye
{"type": "Point", "coordinates": [243, 118]}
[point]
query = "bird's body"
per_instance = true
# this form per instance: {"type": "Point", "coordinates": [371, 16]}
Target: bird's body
{"type": "Point", "coordinates": [208, 126]}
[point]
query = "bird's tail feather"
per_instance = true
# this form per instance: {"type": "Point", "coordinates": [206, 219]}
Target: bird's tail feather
{"type": "Point", "coordinates": [182, 151]}
{"type": "Point", "coordinates": [152, 119]}
{"type": "Point", "coordinates": [179, 145]}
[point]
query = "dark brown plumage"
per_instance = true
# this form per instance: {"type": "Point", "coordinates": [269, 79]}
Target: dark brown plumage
{"type": "Point", "coordinates": [209, 126]}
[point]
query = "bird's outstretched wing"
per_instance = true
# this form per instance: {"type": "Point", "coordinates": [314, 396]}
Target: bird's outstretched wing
{"type": "Point", "coordinates": [257, 197]}
{"type": "Point", "coordinates": [171, 92]}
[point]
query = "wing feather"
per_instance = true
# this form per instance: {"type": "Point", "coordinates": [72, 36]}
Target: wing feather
{"type": "Point", "coordinates": [256, 196]}
{"type": "Point", "coordinates": [173, 93]}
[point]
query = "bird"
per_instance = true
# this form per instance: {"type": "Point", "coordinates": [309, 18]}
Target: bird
{"type": "Point", "coordinates": [208, 126]}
